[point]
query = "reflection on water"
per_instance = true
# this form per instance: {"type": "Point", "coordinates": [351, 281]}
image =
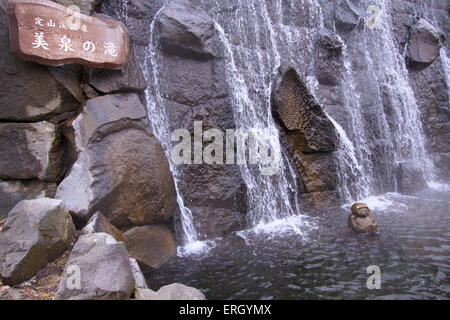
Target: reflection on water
{"type": "Point", "coordinates": [412, 248]}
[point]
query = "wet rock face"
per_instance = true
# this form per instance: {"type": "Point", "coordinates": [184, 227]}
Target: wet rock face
{"type": "Point", "coordinates": [424, 43]}
{"type": "Point", "coordinates": [410, 178]}
{"type": "Point", "coordinates": [329, 60]}
{"type": "Point", "coordinates": [310, 138]}
{"type": "Point", "coordinates": [36, 233]}
{"type": "Point", "coordinates": [346, 16]}
{"type": "Point", "coordinates": [102, 267]}
{"type": "Point", "coordinates": [121, 168]}
{"type": "Point", "coordinates": [193, 77]}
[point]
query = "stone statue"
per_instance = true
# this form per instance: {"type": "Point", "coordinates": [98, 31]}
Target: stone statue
{"type": "Point", "coordinates": [360, 219]}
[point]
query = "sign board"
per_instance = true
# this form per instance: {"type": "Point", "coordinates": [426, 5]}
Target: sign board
{"type": "Point", "coordinates": [48, 33]}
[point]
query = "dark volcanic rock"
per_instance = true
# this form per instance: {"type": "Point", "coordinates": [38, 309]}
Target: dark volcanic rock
{"type": "Point", "coordinates": [329, 60]}
{"type": "Point", "coordinates": [121, 169]}
{"type": "Point", "coordinates": [14, 191]}
{"type": "Point", "coordinates": [424, 43]}
{"type": "Point", "coordinates": [30, 151]}
{"type": "Point", "coordinates": [36, 233]}
{"type": "Point", "coordinates": [346, 18]}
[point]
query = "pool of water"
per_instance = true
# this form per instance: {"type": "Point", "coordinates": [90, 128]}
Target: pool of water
{"type": "Point", "coordinates": [321, 258]}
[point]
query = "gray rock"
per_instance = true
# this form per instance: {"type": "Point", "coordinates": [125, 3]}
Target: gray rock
{"type": "Point", "coordinates": [128, 79]}
{"type": "Point", "coordinates": [410, 178]}
{"type": "Point", "coordinates": [99, 224]}
{"type": "Point", "coordinates": [139, 278]}
{"type": "Point", "coordinates": [86, 6]}
{"type": "Point", "coordinates": [110, 134]}
{"type": "Point", "coordinates": [174, 291]}
{"type": "Point", "coordinates": [329, 60]}
{"type": "Point", "coordinates": [14, 191]}
{"type": "Point", "coordinates": [346, 18]}
{"type": "Point", "coordinates": [36, 233]}
{"type": "Point", "coordinates": [30, 151]}
{"type": "Point", "coordinates": [104, 270]}
{"type": "Point", "coordinates": [150, 245]}
{"type": "Point", "coordinates": [424, 43]}
{"type": "Point", "coordinates": [29, 91]}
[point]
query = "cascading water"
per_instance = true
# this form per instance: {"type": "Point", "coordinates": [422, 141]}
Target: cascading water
{"type": "Point", "coordinates": [373, 140]}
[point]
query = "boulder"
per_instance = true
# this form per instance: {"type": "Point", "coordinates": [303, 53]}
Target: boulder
{"type": "Point", "coordinates": [29, 91]}
{"type": "Point", "coordinates": [139, 279]}
{"type": "Point", "coordinates": [121, 169]}
{"type": "Point", "coordinates": [424, 43]}
{"type": "Point", "coordinates": [174, 291]}
{"type": "Point", "coordinates": [186, 30]}
{"type": "Point", "coordinates": [360, 219]}
{"type": "Point", "coordinates": [308, 127]}
{"type": "Point", "coordinates": [99, 224]}
{"type": "Point", "coordinates": [30, 151]}
{"type": "Point", "coordinates": [36, 233]}
{"type": "Point", "coordinates": [150, 245]}
{"type": "Point", "coordinates": [128, 79]}
{"type": "Point", "coordinates": [410, 178]}
{"type": "Point", "coordinates": [98, 269]}
{"type": "Point", "coordinates": [346, 17]}
{"type": "Point", "coordinates": [14, 191]}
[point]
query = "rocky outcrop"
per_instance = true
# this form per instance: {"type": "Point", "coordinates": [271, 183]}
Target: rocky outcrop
{"type": "Point", "coordinates": [309, 136]}
{"type": "Point", "coordinates": [192, 74]}
{"type": "Point", "coordinates": [346, 17]}
{"type": "Point", "coordinates": [121, 168]}
{"type": "Point", "coordinates": [36, 233]}
{"type": "Point", "coordinates": [30, 151]}
{"type": "Point", "coordinates": [99, 224]}
{"type": "Point", "coordinates": [410, 178]}
{"type": "Point", "coordinates": [328, 60]}
{"type": "Point", "coordinates": [174, 291]}
{"type": "Point", "coordinates": [424, 44]}
{"type": "Point", "coordinates": [98, 269]}
{"type": "Point", "coordinates": [14, 191]}
{"type": "Point", "coordinates": [150, 245]}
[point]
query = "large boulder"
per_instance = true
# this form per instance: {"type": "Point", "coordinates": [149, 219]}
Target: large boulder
{"type": "Point", "coordinates": [30, 151]}
{"type": "Point", "coordinates": [36, 233]}
{"type": "Point", "coordinates": [424, 43]}
{"type": "Point", "coordinates": [175, 291]}
{"type": "Point", "coordinates": [121, 169]}
{"type": "Point", "coordinates": [29, 91]}
{"type": "Point", "coordinates": [150, 245]}
{"type": "Point", "coordinates": [98, 269]}
{"type": "Point", "coordinates": [14, 191]}
{"type": "Point", "coordinates": [410, 178]}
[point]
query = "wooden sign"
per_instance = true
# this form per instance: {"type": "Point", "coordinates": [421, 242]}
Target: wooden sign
{"type": "Point", "coordinates": [48, 33]}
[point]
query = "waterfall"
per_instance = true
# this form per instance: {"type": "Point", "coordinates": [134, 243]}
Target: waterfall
{"type": "Point", "coordinates": [383, 127]}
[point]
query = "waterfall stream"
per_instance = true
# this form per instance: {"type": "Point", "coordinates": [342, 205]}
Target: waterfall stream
{"type": "Point", "coordinates": [380, 131]}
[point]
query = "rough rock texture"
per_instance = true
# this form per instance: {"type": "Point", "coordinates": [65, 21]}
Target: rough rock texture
{"type": "Point", "coordinates": [139, 278]}
{"type": "Point", "coordinates": [193, 77]}
{"type": "Point", "coordinates": [329, 60]}
{"type": "Point", "coordinates": [30, 92]}
{"type": "Point", "coordinates": [121, 168]}
{"type": "Point", "coordinates": [30, 151]}
{"type": "Point", "coordinates": [36, 232]}
{"type": "Point", "coordinates": [174, 291]}
{"type": "Point", "coordinates": [150, 245]}
{"type": "Point", "coordinates": [410, 178]}
{"type": "Point", "coordinates": [424, 43]}
{"type": "Point", "coordinates": [99, 224]}
{"type": "Point", "coordinates": [310, 137]}
{"type": "Point", "coordinates": [104, 269]}
{"type": "Point", "coordinates": [128, 79]}
{"type": "Point", "coordinates": [346, 17]}
{"type": "Point", "coordinates": [14, 191]}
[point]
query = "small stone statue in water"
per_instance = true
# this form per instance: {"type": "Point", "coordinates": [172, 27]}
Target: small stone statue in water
{"type": "Point", "coordinates": [360, 219]}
